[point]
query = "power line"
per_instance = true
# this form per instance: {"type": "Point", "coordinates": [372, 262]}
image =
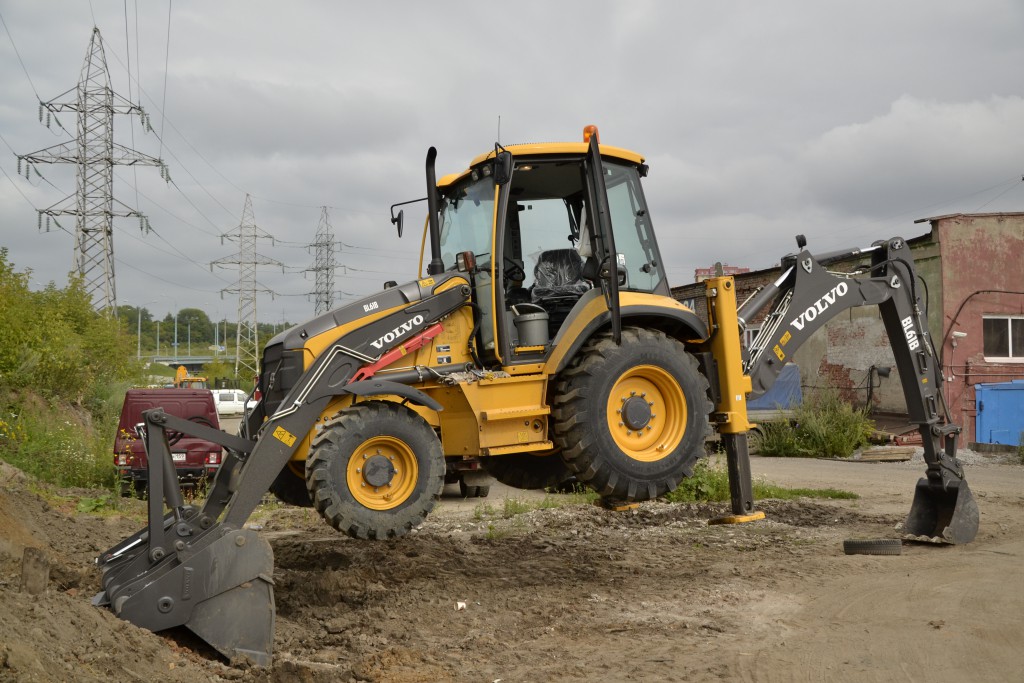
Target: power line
{"type": "Point", "coordinates": [167, 61]}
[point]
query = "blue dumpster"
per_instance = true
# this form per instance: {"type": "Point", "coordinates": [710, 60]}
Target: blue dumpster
{"type": "Point", "coordinates": [1000, 412]}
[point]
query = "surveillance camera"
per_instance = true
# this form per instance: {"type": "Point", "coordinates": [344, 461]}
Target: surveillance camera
{"type": "Point", "coordinates": [959, 335]}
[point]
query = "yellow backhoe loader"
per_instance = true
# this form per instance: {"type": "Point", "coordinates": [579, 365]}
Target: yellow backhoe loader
{"type": "Point", "coordinates": [540, 342]}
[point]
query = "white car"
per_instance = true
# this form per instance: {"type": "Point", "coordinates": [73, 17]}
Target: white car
{"type": "Point", "coordinates": [229, 401]}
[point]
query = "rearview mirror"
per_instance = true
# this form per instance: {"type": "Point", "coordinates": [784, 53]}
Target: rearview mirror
{"type": "Point", "coordinates": [503, 167]}
{"type": "Point", "coordinates": [398, 221]}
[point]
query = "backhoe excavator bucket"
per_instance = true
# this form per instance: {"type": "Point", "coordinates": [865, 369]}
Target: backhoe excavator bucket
{"type": "Point", "coordinates": [944, 514]}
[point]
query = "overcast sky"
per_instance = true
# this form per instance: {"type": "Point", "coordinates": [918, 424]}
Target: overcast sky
{"type": "Point", "coordinates": [841, 121]}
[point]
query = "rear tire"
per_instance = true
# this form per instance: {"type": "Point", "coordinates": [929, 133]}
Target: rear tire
{"type": "Point", "coordinates": [290, 488]}
{"type": "Point", "coordinates": [376, 470]}
{"type": "Point", "coordinates": [631, 419]}
{"type": "Point", "coordinates": [527, 471]}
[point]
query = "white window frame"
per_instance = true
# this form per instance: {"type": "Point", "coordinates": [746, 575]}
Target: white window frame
{"type": "Point", "coordinates": [1007, 318]}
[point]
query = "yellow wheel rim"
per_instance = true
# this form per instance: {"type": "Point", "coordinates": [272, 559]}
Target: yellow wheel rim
{"type": "Point", "coordinates": [382, 473]}
{"type": "Point", "coordinates": [647, 413]}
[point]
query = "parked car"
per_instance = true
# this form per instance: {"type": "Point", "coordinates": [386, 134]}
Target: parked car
{"type": "Point", "coordinates": [195, 460]}
{"type": "Point", "coordinates": [229, 401]}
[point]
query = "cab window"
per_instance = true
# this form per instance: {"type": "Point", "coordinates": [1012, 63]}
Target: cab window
{"type": "Point", "coordinates": [634, 239]}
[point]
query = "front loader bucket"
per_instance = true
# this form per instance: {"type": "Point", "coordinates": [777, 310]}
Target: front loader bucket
{"type": "Point", "coordinates": [942, 514]}
{"type": "Point", "coordinates": [220, 588]}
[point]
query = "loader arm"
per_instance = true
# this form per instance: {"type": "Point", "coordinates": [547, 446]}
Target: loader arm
{"type": "Point", "coordinates": [807, 296]}
{"type": "Point", "coordinates": [200, 567]}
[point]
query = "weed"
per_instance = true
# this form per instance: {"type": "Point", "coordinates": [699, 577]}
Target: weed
{"type": "Point", "coordinates": [484, 511]}
{"type": "Point", "coordinates": [825, 426]}
{"type": "Point", "coordinates": [514, 506]}
{"type": "Point", "coordinates": [98, 504]}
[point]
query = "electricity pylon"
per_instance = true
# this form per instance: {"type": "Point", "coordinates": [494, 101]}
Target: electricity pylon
{"type": "Point", "coordinates": [94, 154]}
{"type": "Point", "coordinates": [247, 342]}
{"type": "Point", "coordinates": [324, 264]}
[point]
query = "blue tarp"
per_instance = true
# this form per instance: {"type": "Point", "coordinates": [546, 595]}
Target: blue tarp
{"type": "Point", "coordinates": [785, 393]}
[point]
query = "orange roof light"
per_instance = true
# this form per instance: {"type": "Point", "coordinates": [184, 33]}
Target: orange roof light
{"type": "Point", "coordinates": [591, 131]}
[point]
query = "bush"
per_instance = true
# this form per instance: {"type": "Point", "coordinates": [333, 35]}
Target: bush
{"type": "Point", "coordinates": [825, 426]}
{"type": "Point", "coordinates": [63, 372]}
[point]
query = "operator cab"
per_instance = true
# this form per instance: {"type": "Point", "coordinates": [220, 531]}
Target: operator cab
{"type": "Point", "coordinates": [538, 252]}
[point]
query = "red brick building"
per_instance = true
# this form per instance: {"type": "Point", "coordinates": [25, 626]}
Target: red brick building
{"type": "Point", "coordinates": [972, 266]}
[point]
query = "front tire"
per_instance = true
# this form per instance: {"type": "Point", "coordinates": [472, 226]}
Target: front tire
{"type": "Point", "coordinates": [375, 471]}
{"type": "Point", "coordinates": [631, 419]}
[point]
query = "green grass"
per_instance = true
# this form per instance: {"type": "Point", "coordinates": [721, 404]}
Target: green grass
{"type": "Point", "coordinates": [710, 483]}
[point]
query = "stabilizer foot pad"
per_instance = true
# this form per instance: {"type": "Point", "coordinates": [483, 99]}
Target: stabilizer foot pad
{"type": "Point", "coordinates": [738, 519]}
{"type": "Point", "coordinates": [616, 504]}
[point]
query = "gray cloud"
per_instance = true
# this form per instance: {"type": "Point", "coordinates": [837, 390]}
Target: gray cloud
{"type": "Point", "coordinates": [759, 121]}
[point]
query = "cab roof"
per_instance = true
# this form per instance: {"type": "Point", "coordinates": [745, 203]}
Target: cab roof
{"type": "Point", "coordinates": [538, 149]}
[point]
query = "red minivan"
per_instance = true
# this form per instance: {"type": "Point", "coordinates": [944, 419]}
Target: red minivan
{"type": "Point", "coordinates": [195, 460]}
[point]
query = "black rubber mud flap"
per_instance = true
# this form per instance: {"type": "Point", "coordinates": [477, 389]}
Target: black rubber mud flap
{"type": "Point", "coordinates": [942, 515]}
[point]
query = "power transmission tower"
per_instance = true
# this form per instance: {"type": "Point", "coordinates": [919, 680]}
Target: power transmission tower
{"type": "Point", "coordinates": [94, 154]}
{"type": "Point", "coordinates": [324, 264]}
{"type": "Point", "coordinates": [247, 341]}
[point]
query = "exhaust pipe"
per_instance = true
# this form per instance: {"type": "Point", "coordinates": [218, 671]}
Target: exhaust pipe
{"type": "Point", "coordinates": [435, 266]}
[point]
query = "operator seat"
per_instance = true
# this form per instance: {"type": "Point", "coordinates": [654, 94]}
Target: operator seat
{"type": "Point", "coordinates": [558, 284]}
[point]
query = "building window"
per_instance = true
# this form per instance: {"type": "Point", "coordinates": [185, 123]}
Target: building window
{"type": "Point", "coordinates": [1003, 337]}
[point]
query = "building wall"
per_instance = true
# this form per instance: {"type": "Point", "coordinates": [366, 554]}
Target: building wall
{"type": "Point", "coordinates": [982, 273]}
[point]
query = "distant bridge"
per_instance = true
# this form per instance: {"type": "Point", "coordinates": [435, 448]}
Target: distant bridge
{"type": "Point", "coordinates": [192, 363]}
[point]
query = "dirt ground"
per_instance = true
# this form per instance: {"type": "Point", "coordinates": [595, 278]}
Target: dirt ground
{"type": "Point", "coordinates": [568, 594]}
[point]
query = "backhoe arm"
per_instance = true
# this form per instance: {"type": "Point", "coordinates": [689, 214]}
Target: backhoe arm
{"type": "Point", "coordinates": [807, 296]}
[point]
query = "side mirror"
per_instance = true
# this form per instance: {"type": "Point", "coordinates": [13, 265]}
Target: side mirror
{"type": "Point", "coordinates": [620, 270]}
{"type": "Point", "coordinates": [503, 167]}
{"type": "Point", "coordinates": [398, 221]}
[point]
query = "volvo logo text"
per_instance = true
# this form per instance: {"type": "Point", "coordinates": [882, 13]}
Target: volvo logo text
{"type": "Point", "coordinates": [820, 306]}
{"type": "Point", "coordinates": [397, 333]}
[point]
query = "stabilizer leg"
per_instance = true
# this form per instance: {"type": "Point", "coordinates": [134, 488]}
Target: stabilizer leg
{"type": "Point", "coordinates": [741, 487]}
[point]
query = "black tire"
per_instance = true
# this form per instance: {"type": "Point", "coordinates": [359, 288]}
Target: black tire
{"type": "Point", "coordinates": [631, 419]}
{"type": "Point", "coordinates": [527, 471]}
{"type": "Point", "coordinates": [290, 488]}
{"type": "Point", "coordinates": [468, 491]}
{"type": "Point", "coordinates": [473, 491]}
{"type": "Point", "coordinates": [876, 546]}
{"type": "Point", "coordinates": [400, 485]}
